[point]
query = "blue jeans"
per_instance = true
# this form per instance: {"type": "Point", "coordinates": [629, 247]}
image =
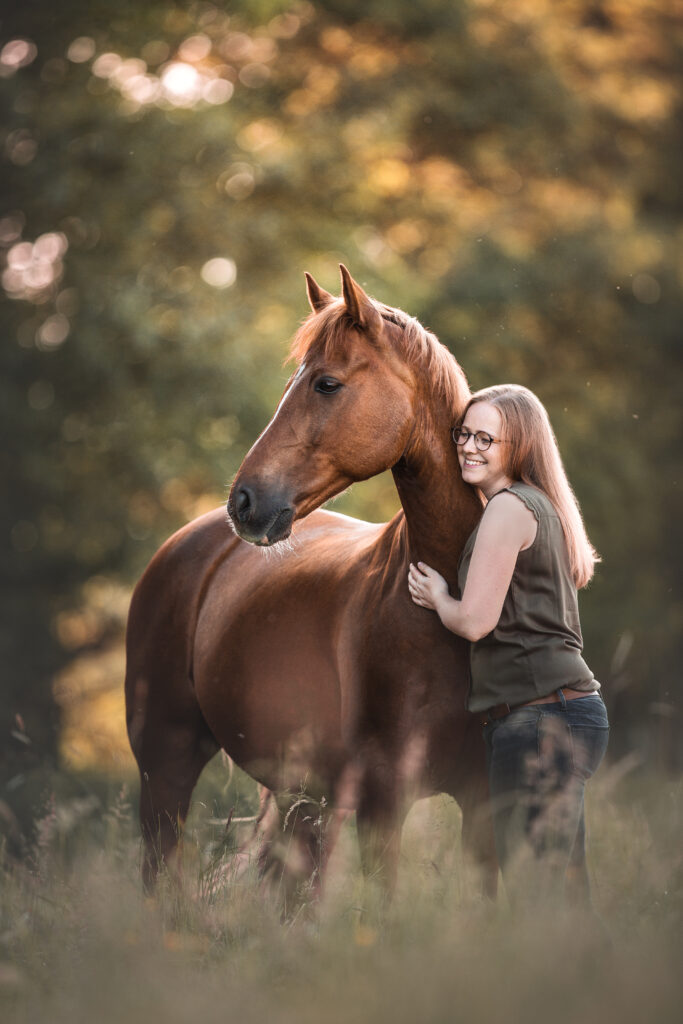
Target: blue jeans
{"type": "Point", "coordinates": [539, 759]}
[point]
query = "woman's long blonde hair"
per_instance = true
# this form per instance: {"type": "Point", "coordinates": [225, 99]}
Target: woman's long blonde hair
{"type": "Point", "coordinates": [532, 456]}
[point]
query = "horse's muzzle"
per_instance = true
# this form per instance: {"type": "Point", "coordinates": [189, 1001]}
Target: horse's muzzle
{"type": "Point", "coordinates": [259, 519]}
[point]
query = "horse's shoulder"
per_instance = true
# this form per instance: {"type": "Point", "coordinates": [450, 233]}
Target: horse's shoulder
{"type": "Point", "coordinates": [197, 542]}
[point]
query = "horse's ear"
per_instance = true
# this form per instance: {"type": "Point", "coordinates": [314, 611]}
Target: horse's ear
{"type": "Point", "coordinates": [360, 307]}
{"type": "Point", "coordinates": [317, 296]}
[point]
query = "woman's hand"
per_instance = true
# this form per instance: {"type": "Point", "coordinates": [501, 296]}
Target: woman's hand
{"type": "Point", "coordinates": [426, 586]}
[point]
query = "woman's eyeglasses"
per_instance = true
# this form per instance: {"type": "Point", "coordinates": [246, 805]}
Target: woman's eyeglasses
{"type": "Point", "coordinates": [482, 440]}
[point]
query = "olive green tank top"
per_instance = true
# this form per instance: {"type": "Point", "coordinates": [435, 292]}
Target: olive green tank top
{"type": "Point", "coordinates": [536, 646]}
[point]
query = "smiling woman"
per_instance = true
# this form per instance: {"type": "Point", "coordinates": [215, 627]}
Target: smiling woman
{"type": "Point", "coordinates": [482, 462]}
{"type": "Point", "coordinates": [545, 724]}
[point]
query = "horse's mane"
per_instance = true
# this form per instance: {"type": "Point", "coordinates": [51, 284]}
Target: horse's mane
{"type": "Point", "coordinates": [324, 332]}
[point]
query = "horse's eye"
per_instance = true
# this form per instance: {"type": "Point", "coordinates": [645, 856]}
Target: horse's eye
{"type": "Point", "coordinates": [327, 386]}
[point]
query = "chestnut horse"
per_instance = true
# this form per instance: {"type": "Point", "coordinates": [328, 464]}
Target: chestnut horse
{"type": "Point", "coordinates": [312, 668]}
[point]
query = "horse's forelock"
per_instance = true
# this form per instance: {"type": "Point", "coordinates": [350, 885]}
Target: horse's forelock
{"type": "Point", "coordinates": [320, 332]}
{"type": "Point", "coordinates": [324, 333]}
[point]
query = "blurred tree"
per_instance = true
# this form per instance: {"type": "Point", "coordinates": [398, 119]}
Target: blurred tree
{"type": "Point", "coordinates": [506, 172]}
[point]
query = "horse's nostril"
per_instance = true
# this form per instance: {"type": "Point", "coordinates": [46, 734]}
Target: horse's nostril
{"type": "Point", "coordinates": [243, 504]}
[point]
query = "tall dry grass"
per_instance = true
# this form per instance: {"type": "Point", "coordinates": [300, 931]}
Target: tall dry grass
{"type": "Point", "coordinates": [79, 942]}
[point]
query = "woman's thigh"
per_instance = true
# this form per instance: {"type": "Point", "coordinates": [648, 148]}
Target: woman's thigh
{"type": "Point", "coordinates": [539, 760]}
{"type": "Point", "coordinates": [538, 748]}
{"type": "Point", "coordinates": [512, 746]}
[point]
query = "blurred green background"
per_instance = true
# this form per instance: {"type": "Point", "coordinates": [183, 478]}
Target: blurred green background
{"type": "Point", "coordinates": [508, 171]}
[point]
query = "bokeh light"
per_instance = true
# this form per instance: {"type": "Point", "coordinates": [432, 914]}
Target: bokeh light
{"type": "Point", "coordinates": [219, 272]}
{"type": "Point", "coordinates": [81, 50]}
{"type": "Point", "coordinates": [53, 332]}
{"type": "Point", "coordinates": [33, 268]}
{"type": "Point", "coordinates": [181, 84]}
{"type": "Point", "coordinates": [194, 48]}
{"type": "Point", "coordinates": [646, 288]}
{"type": "Point", "coordinates": [18, 53]}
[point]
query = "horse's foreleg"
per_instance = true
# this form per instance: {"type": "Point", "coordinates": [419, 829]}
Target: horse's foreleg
{"type": "Point", "coordinates": [380, 843]}
{"type": "Point", "coordinates": [293, 848]}
{"type": "Point", "coordinates": [477, 839]}
{"type": "Point", "coordinates": [471, 792]}
{"type": "Point", "coordinates": [379, 816]}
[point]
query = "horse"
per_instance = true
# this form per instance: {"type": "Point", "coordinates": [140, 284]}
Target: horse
{"type": "Point", "coordinates": [307, 662]}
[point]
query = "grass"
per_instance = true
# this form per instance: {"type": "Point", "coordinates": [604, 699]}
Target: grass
{"type": "Point", "coordinates": [79, 942]}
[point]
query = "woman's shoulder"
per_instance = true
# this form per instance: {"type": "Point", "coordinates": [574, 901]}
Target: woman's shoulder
{"type": "Point", "coordinates": [533, 498]}
{"type": "Point", "coordinates": [504, 504]}
{"type": "Point", "coordinates": [507, 519]}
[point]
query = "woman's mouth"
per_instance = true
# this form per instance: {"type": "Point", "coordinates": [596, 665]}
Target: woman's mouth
{"type": "Point", "coordinates": [472, 464]}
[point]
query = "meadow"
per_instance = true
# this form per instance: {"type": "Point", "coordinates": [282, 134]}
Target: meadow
{"type": "Point", "coordinates": [80, 942]}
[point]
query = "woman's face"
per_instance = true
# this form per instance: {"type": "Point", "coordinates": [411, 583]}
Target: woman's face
{"type": "Point", "coordinates": [483, 469]}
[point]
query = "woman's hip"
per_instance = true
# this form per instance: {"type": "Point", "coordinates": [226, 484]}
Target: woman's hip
{"type": "Point", "coordinates": [569, 737]}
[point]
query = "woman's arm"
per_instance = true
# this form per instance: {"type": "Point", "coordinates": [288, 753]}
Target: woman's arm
{"type": "Point", "coordinates": [507, 527]}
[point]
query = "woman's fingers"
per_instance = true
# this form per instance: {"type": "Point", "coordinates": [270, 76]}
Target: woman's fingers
{"type": "Point", "coordinates": [419, 597]}
{"type": "Point", "coordinates": [419, 584]}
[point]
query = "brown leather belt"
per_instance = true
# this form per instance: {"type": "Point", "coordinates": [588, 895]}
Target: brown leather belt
{"type": "Point", "coordinates": [502, 710]}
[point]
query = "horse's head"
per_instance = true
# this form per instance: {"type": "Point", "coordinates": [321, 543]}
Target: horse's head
{"type": "Point", "coordinates": [346, 415]}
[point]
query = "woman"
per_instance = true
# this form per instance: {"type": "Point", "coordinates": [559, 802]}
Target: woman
{"type": "Point", "coordinates": [545, 725]}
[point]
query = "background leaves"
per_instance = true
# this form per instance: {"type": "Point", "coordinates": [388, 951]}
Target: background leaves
{"type": "Point", "coordinates": [507, 172]}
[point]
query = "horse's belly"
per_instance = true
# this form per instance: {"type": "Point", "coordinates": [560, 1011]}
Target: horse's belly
{"type": "Point", "coordinates": [267, 682]}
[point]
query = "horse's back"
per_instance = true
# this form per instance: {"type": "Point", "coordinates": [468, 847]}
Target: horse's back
{"type": "Point", "coordinates": [178, 579]}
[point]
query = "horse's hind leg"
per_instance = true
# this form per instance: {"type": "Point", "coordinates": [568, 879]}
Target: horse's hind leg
{"type": "Point", "coordinates": [171, 743]}
{"type": "Point", "coordinates": [472, 794]}
{"type": "Point", "coordinates": [170, 759]}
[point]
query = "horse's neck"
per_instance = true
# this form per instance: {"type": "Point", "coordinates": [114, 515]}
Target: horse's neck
{"type": "Point", "coordinates": [440, 510]}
